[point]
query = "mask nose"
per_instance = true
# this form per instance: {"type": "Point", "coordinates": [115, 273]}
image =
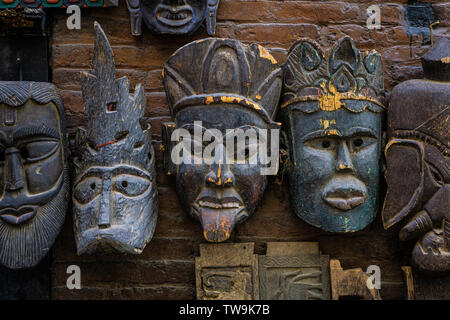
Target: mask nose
{"type": "Point", "coordinates": [14, 171]}
{"type": "Point", "coordinates": [343, 161]}
{"type": "Point", "coordinates": [104, 216]}
{"type": "Point", "coordinates": [220, 176]}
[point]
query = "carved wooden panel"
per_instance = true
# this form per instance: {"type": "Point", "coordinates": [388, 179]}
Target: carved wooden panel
{"type": "Point", "coordinates": [294, 271]}
{"type": "Point", "coordinates": [418, 162]}
{"type": "Point", "coordinates": [351, 283]}
{"type": "Point", "coordinates": [422, 286]}
{"type": "Point", "coordinates": [227, 272]}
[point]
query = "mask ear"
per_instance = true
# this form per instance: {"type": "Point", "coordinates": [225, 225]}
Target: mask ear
{"type": "Point", "coordinates": [167, 130]}
{"type": "Point", "coordinates": [404, 177]}
{"type": "Point", "coordinates": [211, 17]}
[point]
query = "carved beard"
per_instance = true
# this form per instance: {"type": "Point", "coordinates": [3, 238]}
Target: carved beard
{"type": "Point", "coordinates": [24, 246]}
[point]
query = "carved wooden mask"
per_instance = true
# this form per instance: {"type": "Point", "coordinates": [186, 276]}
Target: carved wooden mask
{"type": "Point", "coordinates": [114, 191]}
{"type": "Point", "coordinates": [333, 125]}
{"type": "Point", "coordinates": [172, 16]}
{"type": "Point", "coordinates": [225, 85]}
{"type": "Point", "coordinates": [35, 179]}
{"type": "Point", "coordinates": [418, 164]}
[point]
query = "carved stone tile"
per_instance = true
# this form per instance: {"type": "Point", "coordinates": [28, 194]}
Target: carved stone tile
{"type": "Point", "coordinates": [115, 200]}
{"type": "Point", "coordinates": [350, 284]}
{"type": "Point", "coordinates": [227, 272]}
{"type": "Point", "coordinates": [332, 117]}
{"type": "Point", "coordinates": [294, 271]}
{"type": "Point", "coordinates": [418, 162]}
{"type": "Point", "coordinates": [172, 16]}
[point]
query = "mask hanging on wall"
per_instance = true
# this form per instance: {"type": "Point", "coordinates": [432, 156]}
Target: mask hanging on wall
{"type": "Point", "coordinates": [35, 178]}
{"type": "Point", "coordinates": [172, 16]}
{"type": "Point", "coordinates": [214, 86]}
{"type": "Point", "coordinates": [114, 190]}
{"type": "Point", "coordinates": [333, 122]}
{"type": "Point", "coordinates": [418, 164]}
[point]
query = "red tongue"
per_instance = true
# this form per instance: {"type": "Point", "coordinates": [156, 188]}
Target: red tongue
{"type": "Point", "coordinates": [217, 224]}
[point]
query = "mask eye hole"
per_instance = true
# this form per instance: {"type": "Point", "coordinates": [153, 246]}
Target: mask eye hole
{"type": "Point", "coordinates": [323, 144]}
{"type": "Point", "coordinates": [131, 185]}
{"type": "Point", "coordinates": [87, 190]}
{"type": "Point", "coordinates": [358, 142]}
{"type": "Point", "coordinates": [326, 144]}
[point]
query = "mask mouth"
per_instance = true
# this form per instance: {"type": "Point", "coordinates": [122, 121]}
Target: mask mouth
{"type": "Point", "coordinates": [18, 216]}
{"type": "Point", "coordinates": [345, 193]}
{"type": "Point", "coordinates": [218, 214]}
{"type": "Point", "coordinates": [174, 16]}
{"type": "Point", "coordinates": [219, 203]}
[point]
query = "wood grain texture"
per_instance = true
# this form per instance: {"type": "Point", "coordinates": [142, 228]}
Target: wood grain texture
{"type": "Point", "coordinates": [227, 272]}
{"type": "Point", "coordinates": [351, 283]}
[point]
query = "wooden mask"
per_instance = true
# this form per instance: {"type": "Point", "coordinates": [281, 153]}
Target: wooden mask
{"type": "Point", "coordinates": [418, 163]}
{"type": "Point", "coordinates": [35, 178]}
{"type": "Point", "coordinates": [114, 191]}
{"type": "Point", "coordinates": [172, 16]}
{"type": "Point", "coordinates": [333, 124]}
{"type": "Point", "coordinates": [225, 85]}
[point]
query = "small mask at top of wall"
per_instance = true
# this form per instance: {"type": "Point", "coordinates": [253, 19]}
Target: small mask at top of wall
{"type": "Point", "coordinates": [34, 182]}
{"type": "Point", "coordinates": [418, 163]}
{"type": "Point", "coordinates": [333, 122]}
{"type": "Point", "coordinates": [172, 16]}
{"type": "Point", "coordinates": [219, 89]}
{"type": "Point", "coordinates": [114, 195]}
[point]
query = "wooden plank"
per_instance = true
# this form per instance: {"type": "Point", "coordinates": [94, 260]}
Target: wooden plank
{"type": "Point", "coordinates": [350, 284]}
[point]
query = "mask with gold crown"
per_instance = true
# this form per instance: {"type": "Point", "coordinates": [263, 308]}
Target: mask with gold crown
{"type": "Point", "coordinates": [332, 119]}
{"type": "Point", "coordinates": [114, 193]}
{"type": "Point", "coordinates": [215, 87]}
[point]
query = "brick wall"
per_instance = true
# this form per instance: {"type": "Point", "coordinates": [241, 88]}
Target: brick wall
{"type": "Point", "coordinates": [165, 270]}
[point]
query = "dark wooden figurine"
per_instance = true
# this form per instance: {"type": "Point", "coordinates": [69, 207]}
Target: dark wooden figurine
{"type": "Point", "coordinates": [418, 163]}
{"type": "Point", "coordinates": [114, 190]}
{"type": "Point", "coordinates": [35, 178]}
{"type": "Point", "coordinates": [333, 122]}
{"type": "Point", "coordinates": [172, 16]}
{"type": "Point", "coordinates": [213, 86]}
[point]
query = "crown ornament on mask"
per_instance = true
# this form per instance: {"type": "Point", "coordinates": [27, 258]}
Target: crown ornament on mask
{"type": "Point", "coordinates": [223, 71]}
{"type": "Point", "coordinates": [114, 133]}
{"type": "Point", "coordinates": [344, 74]}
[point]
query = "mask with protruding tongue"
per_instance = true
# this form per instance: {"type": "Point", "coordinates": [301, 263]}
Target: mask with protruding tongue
{"type": "Point", "coordinates": [219, 215]}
